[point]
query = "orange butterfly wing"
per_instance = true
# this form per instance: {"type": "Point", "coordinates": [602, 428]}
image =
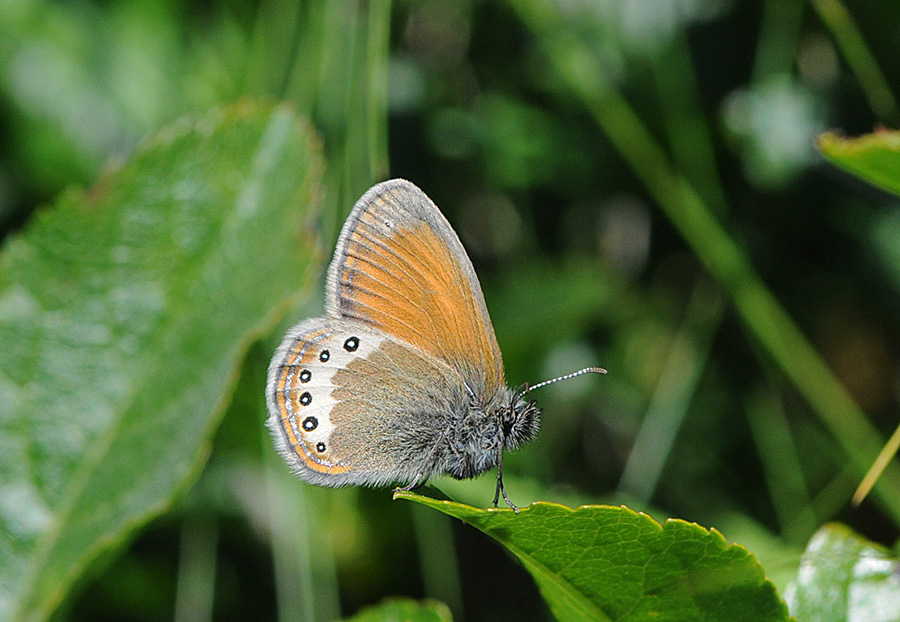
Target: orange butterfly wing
{"type": "Point", "coordinates": [400, 268]}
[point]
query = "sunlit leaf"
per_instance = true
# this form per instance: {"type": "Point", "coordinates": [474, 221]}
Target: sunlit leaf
{"type": "Point", "coordinates": [611, 563]}
{"type": "Point", "coordinates": [873, 157]}
{"type": "Point", "coordinates": [406, 610]}
{"type": "Point", "coordinates": [844, 577]}
{"type": "Point", "coordinates": [125, 313]}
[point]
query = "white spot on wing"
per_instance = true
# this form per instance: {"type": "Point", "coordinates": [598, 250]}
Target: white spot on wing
{"type": "Point", "coordinates": [321, 386]}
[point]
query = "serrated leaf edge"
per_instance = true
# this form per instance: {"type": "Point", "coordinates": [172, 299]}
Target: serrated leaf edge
{"type": "Point", "coordinates": [527, 560]}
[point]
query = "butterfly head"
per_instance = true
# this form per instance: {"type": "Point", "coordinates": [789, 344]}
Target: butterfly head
{"type": "Point", "coordinates": [519, 420]}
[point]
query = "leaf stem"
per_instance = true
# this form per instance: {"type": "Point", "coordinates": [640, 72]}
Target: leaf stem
{"type": "Point", "coordinates": [860, 60]}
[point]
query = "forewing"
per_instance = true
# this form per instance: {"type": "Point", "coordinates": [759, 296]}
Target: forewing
{"type": "Point", "coordinates": [400, 268]}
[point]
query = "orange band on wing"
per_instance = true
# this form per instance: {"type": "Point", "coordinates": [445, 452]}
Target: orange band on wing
{"type": "Point", "coordinates": [299, 355]}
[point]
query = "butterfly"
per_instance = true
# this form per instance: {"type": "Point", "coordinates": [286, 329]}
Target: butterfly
{"type": "Point", "coordinates": [402, 379]}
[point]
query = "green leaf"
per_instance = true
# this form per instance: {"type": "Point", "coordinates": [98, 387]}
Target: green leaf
{"type": "Point", "coordinates": [873, 157]}
{"type": "Point", "coordinates": [404, 610]}
{"type": "Point", "coordinates": [607, 563]}
{"type": "Point", "coordinates": [125, 313]}
{"type": "Point", "coordinates": [843, 576]}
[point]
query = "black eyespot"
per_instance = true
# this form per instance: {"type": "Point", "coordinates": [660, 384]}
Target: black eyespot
{"type": "Point", "coordinates": [324, 355]}
{"type": "Point", "coordinates": [320, 447]}
{"type": "Point", "coordinates": [305, 375]}
{"type": "Point", "coordinates": [351, 344]}
{"type": "Point", "coordinates": [310, 424]}
{"type": "Point", "coordinates": [305, 399]}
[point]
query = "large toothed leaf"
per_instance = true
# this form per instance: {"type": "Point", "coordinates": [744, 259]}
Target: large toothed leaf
{"type": "Point", "coordinates": [873, 157]}
{"type": "Point", "coordinates": [843, 577]}
{"type": "Point", "coordinates": [610, 563]}
{"type": "Point", "coordinates": [124, 316]}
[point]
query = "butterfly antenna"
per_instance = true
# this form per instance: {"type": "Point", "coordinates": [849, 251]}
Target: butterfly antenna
{"type": "Point", "coordinates": [580, 372]}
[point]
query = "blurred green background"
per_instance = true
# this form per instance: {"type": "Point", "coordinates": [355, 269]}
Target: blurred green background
{"type": "Point", "coordinates": [558, 138]}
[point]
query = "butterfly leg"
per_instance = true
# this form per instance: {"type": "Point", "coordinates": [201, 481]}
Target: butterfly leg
{"type": "Point", "coordinates": [417, 483]}
{"type": "Point", "coordinates": [501, 488]}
